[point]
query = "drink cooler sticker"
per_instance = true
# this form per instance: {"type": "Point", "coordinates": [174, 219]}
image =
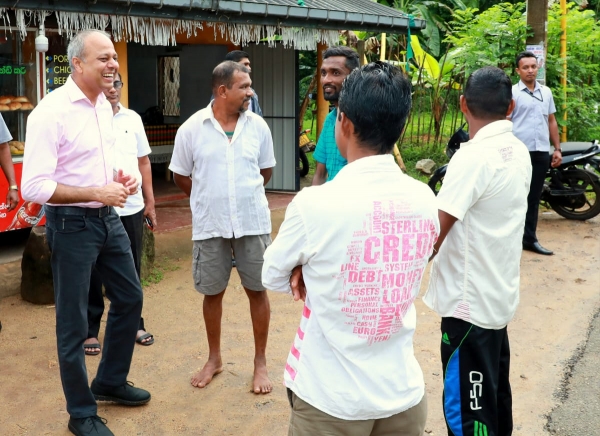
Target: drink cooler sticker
{"type": "Point", "coordinates": [26, 214]}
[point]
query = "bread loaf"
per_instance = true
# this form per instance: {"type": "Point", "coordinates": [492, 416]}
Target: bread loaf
{"type": "Point", "coordinates": [21, 99]}
{"type": "Point", "coordinates": [14, 106]}
{"type": "Point", "coordinates": [4, 107]}
{"type": "Point", "coordinates": [26, 106]}
{"type": "Point", "coordinates": [4, 100]}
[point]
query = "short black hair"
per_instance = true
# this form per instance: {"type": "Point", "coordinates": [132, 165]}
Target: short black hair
{"type": "Point", "coordinates": [488, 93]}
{"type": "Point", "coordinates": [341, 50]}
{"type": "Point", "coordinates": [376, 98]}
{"type": "Point", "coordinates": [223, 74]}
{"type": "Point", "coordinates": [523, 54]}
{"type": "Point", "coordinates": [236, 55]}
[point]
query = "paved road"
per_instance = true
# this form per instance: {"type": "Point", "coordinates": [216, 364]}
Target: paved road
{"type": "Point", "coordinates": [579, 414]}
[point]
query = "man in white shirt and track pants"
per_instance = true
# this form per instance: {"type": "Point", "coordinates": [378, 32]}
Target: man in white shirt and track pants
{"type": "Point", "coordinates": [474, 280]}
{"type": "Point", "coordinates": [363, 241]}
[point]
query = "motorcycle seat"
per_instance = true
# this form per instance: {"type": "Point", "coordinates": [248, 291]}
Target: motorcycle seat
{"type": "Point", "coordinates": [570, 148]}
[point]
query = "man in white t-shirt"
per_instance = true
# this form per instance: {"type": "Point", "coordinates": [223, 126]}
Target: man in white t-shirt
{"type": "Point", "coordinates": [363, 241]}
{"type": "Point", "coordinates": [474, 280]}
{"type": "Point", "coordinates": [131, 154]}
{"type": "Point", "coordinates": [222, 159]}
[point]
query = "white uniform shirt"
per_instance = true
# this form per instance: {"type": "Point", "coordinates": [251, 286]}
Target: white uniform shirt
{"type": "Point", "coordinates": [131, 143]}
{"type": "Point", "coordinates": [364, 240]}
{"type": "Point", "coordinates": [475, 275]}
{"type": "Point", "coordinates": [228, 198]}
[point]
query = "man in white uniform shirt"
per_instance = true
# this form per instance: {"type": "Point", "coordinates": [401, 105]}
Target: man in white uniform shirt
{"type": "Point", "coordinates": [222, 159]}
{"type": "Point", "coordinates": [363, 241]}
{"type": "Point", "coordinates": [474, 280]}
{"type": "Point", "coordinates": [131, 154]}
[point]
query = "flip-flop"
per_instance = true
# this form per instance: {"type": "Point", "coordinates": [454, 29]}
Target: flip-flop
{"type": "Point", "coordinates": [145, 336]}
{"type": "Point", "coordinates": [88, 347]}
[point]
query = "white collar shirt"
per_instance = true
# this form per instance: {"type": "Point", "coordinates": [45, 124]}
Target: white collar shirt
{"type": "Point", "coordinates": [363, 240]}
{"type": "Point", "coordinates": [475, 275]}
{"type": "Point", "coordinates": [131, 144]}
{"type": "Point", "coordinates": [228, 197]}
{"type": "Point", "coordinates": [530, 116]}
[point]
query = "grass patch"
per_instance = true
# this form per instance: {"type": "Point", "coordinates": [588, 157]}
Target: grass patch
{"type": "Point", "coordinates": [157, 273]}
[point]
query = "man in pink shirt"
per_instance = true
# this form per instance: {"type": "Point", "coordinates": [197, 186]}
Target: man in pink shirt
{"type": "Point", "coordinates": [68, 167]}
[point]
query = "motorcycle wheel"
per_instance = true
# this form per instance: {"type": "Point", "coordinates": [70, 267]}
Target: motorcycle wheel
{"type": "Point", "coordinates": [435, 183]}
{"type": "Point", "coordinates": [304, 165]}
{"type": "Point", "coordinates": [578, 208]}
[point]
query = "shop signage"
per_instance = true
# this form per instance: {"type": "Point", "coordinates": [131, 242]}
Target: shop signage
{"type": "Point", "coordinates": [57, 71]}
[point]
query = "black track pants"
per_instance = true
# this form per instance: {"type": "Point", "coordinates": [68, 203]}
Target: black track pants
{"type": "Point", "coordinates": [477, 396]}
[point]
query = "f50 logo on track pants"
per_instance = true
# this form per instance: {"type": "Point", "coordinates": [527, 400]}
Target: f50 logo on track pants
{"type": "Point", "coordinates": [477, 396]}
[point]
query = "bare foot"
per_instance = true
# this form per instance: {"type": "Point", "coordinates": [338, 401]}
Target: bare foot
{"type": "Point", "coordinates": [91, 341]}
{"type": "Point", "coordinates": [206, 374]}
{"type": "Point", "coordinates": [261, 382]}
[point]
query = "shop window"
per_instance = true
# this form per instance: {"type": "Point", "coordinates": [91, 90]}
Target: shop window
{"type": "Point", "coordinates": [168, 77]}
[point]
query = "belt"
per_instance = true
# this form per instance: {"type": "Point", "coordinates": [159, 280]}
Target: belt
{"type": "Point", "coordinates": [80, 211]}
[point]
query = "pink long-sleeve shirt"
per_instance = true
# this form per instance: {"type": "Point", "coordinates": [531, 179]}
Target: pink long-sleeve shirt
{"type": "Point", "coordinates": [69, 141]}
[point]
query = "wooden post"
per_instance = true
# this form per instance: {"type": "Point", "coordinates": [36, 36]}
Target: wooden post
{"type": "Point", "coordinates": [121, 49]}
{"type": "Point", "coordinates": [360, 48]}
{"type": "Point", "coordinates": [322, 104]}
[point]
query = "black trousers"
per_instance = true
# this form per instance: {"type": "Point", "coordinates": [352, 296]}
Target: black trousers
{"type": "Point", "coordinates": [80, 242]}
{"type": "Point", "coordinates": [133, 225]}
{"type": "Point", "coordinates": [540, 161]}
{"type": "Point", "coordinates": [477, 397]}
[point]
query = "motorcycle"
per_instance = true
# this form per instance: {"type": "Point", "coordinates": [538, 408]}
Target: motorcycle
{"type": "Point", "coordinates": [572, 189]}
{"type": "Point", "coordinates": [306, 146]}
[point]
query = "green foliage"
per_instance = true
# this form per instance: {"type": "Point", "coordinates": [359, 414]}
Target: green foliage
{"type": "Point", "coordinates": [583, 69]}
{"type": "Point", "coordinates": [493, 37]}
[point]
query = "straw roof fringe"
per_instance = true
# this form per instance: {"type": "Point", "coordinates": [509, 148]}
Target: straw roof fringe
{"type": "Point", "coordinates": [158, 31]}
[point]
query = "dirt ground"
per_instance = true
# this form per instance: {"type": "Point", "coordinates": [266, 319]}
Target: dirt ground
{"type": "Point", "coordinates": [559, 294]}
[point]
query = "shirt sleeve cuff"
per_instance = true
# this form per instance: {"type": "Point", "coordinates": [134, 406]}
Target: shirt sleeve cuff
{"type": "Point", "coordinates": [43, 194]}
{"type": "Point", "coordinates": [179, 170]}
{"type": "Point", "coordinates": [451, 210]}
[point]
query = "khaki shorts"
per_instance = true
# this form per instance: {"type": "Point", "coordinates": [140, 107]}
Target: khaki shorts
{"type": "Point", "coordinates": [307, 420]}
{"type": "Point", "coordinates": [211, 264]}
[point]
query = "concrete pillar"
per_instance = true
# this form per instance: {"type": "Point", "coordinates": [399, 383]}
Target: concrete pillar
{"type": "Point", "coordinates": [537, 19]}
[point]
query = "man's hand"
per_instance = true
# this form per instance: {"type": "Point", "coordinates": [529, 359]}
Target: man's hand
{"type": "Point", "coordinates": [150, 212]}
{"type": "Point", "coordinates": [12, 199]}
{"type": "Point", "coordinates": [128, 181]}
{"type": "Point", "coordinates": [114, 194]}
{"type": "Point", "coordinates": [297, 284]}
{"type": "Point", "coordinates": [556, 159]}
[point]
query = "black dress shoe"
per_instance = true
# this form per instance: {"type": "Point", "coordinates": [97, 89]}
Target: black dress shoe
{"type": "Point", "coordinates": [92, 426]}
{"type": "Point", "coordinates": [125, 394]}
{"type": "Point", "coordinates": [536, 248]}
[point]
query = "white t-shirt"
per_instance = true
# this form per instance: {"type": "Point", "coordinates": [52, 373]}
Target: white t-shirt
{"type": "Point", "coordinates": [131, 143]}
{"type": "Point", "coordinates": [475, 275]}
{"type": "Point", "coordinates": [228, 197]}
{"type": "Point", "coordinates": [364, 240]}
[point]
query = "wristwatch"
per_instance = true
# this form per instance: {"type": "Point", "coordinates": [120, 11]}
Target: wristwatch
{"type": "Point", "coordinates": [558, 149]}
{"type": "Point", "coordinates": [13, 188]}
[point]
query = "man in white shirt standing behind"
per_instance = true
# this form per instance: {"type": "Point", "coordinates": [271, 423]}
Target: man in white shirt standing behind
{"type": "Point", "coordinates": [474, 280]}
{"type": "Point", "coordinates": [131, 154]}
{"type": "Point", "coordinates": [363, 241]}
{"type": "Point", "coordinates": [222, 159]}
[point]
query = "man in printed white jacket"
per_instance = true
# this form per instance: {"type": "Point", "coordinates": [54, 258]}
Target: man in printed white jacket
{"type": "Point", "coordinates": [363, 241]}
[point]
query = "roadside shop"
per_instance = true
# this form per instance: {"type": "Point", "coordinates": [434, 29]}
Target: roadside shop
{"type": "Point", "coordinates": [167, 50]}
